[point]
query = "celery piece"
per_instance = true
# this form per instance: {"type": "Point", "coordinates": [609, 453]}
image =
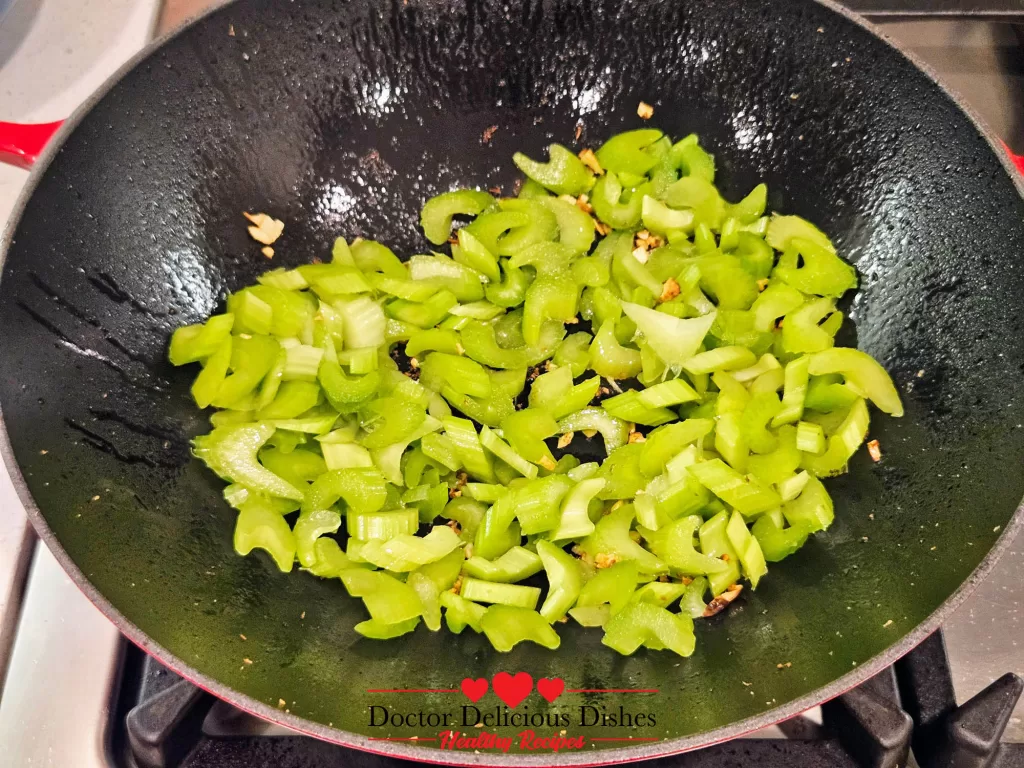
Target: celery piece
{"type": "Point", "coordinates": [388, 600]}
{"type": "Point", "coordinates": [440, 369]}
{"type": "Point", "coordinates": [381, 525]}
{"type": "Point", "coordinates": [506, 453]}
{"type": "Point", "coordinates": [611, 540]}
{"type": "Point", "coordinates": [630, 408]}
{"type": "Point", "coordinates": [609, 358]}
{"type": "Point", "coordinates": [674, 545]}
{"type": "Point", "coordinates": [293, 398]}
{"type": "Point", "coordinates": [376, 630]}
{"type": "Point", "coordinates": [659, 593]}
{"type": "Point", "coordinates": [363, 490]}
{"type": "Point", "coordinates": [810, 438]}
{"type": "Point", "coordinates": [215, 370]}
{"type": "Point", "coordinates": [714, 542]}
{"type": "Point", "coordinates": [302, 363]}
{"type": "Point", "coordinates": [743, 493]}
{"type": "Point", "coordinates": [843, 443]}
{"type": "Point", "coordinates": [192, 343]}
{"type": "Point", "coordinates": [564, 580]}
{"type": "Point", "coordinates": [260, 526]}
{"type": "Point", "coordinates": [643, 623]}
{"type": "Point", "coordinates": [720, 359]}
{"type": "Point", "coordinates": [460, 613]}
{"type": "Point", "coordinates": [474, 254]}
{"type": "Point", "coordinates": [537, 502]}
{"type": "Point", "coordinates": [666, 442]}
{"type": "Point", "coordinates": [747, 548]}
{"type": "Point", "coordinates": [863, 373]}
{"type": "Point", "coordinates": [469, 449]}
{"type": "Point", "coordinates": [514, 595]}
{"type": "Point", "coordinates": [515, 565]}
{"type": "Point", "coordinates": [506, 626]}
{"type": "Point", "coordinates": [406, 552]}
{"type": "Point", "coordinates": [231, 453]}
{"type": "Point", "coordinates": [436, 218]}
{"type": "Point", "coordinates": [574, 353]}
{"type": "Point", "coordinates": [563, 173]}
{"type": "Point", "coordinates": [614, 431]}
{"type": "Point", "coordinates": [778, 543]}
{"type": "Point", "coordinates": [794, 392]}
{"type": "Point", "coordinates": [674, 340]}
{"type": "Point", "coordinates": [308, 528]}
{"type": "Point", "coordinates": [574, 521]}
{"type": "Point", "coordinates": [575, 227]}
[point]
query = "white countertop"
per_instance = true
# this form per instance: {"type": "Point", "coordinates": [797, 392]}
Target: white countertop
{"type": "Point", "coordinates": [53, 54]}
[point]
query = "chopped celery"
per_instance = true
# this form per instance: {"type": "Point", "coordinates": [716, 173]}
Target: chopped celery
{"type": "Point", "coordinates": [381, 525]}
{"type": "Point", "coordinates": [506, 626]}
{"type": "Point", "coordinates": [721, 320]}
{"type": "Point", "coordinates": [501, 594]}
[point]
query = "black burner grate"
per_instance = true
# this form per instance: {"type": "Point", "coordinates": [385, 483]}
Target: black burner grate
{"type": "Point", "coordinates": [907, 707]}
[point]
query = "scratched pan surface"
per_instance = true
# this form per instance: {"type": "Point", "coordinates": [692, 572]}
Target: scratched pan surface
{"type": "Point", "coordinates": [340, 119]}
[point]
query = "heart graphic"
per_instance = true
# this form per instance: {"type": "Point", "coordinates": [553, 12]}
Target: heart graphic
{"type": "Point", "coordinates": [474, 689]}
{"type": "Point", "coordinates": [550, 688]}
{"type": "Point", "coordinates": [512, 689]}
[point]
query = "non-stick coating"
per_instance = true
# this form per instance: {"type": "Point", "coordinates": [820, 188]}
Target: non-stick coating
{"type": "Point", "coordinates": [341, 119]}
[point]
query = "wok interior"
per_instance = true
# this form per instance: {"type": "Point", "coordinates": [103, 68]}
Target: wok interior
{"type": "Point", "coordinates": [342, 122]}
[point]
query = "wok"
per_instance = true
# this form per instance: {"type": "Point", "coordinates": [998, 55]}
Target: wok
{"type": "Point", "coordinates": [341, 119]}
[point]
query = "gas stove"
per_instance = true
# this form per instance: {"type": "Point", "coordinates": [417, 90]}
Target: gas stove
{"type": "Point", "coordinates": [75, 694]}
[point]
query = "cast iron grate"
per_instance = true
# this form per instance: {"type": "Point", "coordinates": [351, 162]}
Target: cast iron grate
{"type": "Point", "coordinates": [163, 721]}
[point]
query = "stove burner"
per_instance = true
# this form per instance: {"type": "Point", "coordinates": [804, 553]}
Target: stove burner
{"type": "Point", "coordinates": [166, 722]}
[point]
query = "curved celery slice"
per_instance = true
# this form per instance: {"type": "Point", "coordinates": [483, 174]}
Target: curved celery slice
{"type": "Point", "coordinates": [436, 217]}
{"type": "Point", "coordinates": [575, 226]}
{"type": "Point", "coordinates": [388, 600]}
{"type": "Point", "coordinates": [610, 586]}
{"type": "Point", "coordinates": [614, 431]}
{"type": "Point", "coordinates": [863, 373]}
{"type": "Point", "coordinates": [812, 510]}
{"type": "Point", "coordinates": [563, 173]}
{"type": "Point", "coordinates": [260, 526]}
{"type": "Point", "coordinates": [231, 453]}
{"type": "Point", "coordinates": [647, 624]}
{"type": "Point", "coordinates": [460, 613]}
{"type": "Point", "coordinates": [842, 444]}
{"type": "Point", "coordinates": [667, 441]}
{"type": "Point", "coordinates": [574, 520]}
{"type": "Point", "coordinates": [480, 345]}
{"type": "Point", "coordinates": [659, 593]}
{"type": "Point", "coordinates": [506, 626]}
{"type": "Point", "coordinates": [611, 540]}
{"type": "Point", "coordinates": [515, 565]}
{"type": "Point", "coordinates": [405, 552]}
{"type": "Point", "coordinates": [564, 580]}
{"type": "Point", "coordinates": [674, 544]}
{"type": "Point", "coordinates": [362, 489]}
{"type": "Point", "coordinates": [308, 528]}
{"type": "Point", "coordinates": [627, 151]}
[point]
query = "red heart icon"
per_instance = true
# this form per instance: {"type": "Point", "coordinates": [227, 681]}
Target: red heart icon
{"type": "Point", "coordinates": [551, 688]}
{"type": "Point", "coordinates": [474, 689]}
{"type": "Point", "coordinates": [512, 689]}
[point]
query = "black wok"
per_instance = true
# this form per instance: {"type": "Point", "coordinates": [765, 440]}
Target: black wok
{"type": "Point", "coordinates": [341, 118]}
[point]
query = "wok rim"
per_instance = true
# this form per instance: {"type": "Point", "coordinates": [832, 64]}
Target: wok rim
{"type": "Point", "coordinates": [268, 713]}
